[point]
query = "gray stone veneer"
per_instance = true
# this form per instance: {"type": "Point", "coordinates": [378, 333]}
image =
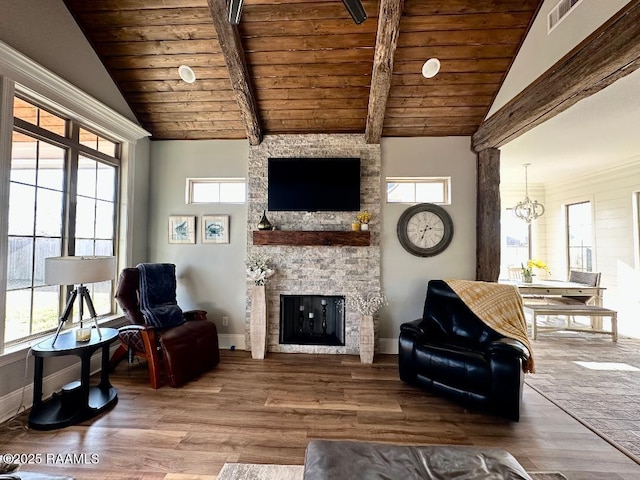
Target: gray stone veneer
{"type": "Point", "coordinates": [316, 270]}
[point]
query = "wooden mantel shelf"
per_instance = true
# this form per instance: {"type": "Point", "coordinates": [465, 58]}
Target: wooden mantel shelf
{"type": "Point", "coordinates": [309, 238]}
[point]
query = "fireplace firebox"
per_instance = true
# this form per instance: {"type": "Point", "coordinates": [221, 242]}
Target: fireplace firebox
{"type": "Point", "coordinates": [312, 319]}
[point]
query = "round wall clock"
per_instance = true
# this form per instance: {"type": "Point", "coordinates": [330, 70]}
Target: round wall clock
{"type": "Point", "coordinates": [425, 229]}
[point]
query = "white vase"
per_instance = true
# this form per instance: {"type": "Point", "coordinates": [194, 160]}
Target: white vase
{"type": "Point", "coordinates": [258, 323]}
{"type": "Point", "coordinates": [367, 339]}
{"type": "Point", "coordinates": [364, 227]}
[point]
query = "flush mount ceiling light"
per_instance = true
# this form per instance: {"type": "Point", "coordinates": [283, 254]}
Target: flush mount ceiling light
{"type": "Point", "coordinates": [431, 68]}
{"type": "Point", "coordinates": [186, 73]}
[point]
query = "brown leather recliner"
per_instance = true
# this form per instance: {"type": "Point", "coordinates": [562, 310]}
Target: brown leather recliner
{"type": "Point", "coordinates": [186, 350]}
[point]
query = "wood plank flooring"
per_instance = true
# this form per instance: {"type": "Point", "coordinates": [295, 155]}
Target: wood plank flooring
{"type": "Point", "coordinates": [254, 411]}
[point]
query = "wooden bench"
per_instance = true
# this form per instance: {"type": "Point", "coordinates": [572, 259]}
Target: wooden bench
{"type": "Point", "coordinates": [591, 311]}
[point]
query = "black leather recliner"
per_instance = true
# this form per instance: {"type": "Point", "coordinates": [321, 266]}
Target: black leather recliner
{"type": "Point", "coordinates": [450, 351]}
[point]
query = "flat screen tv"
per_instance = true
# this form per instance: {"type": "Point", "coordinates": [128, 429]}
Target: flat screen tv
{"type": "Point", "coordinates": [313, 184]}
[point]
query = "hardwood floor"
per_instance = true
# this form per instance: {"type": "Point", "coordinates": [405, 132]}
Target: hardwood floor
{"type": "Point", "coordinates": [266, 411]}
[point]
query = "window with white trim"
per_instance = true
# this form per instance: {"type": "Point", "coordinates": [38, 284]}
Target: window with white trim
{"type": "Point", "coordinates": [63, 193]}
{"type": "Point", "coordinates": [579, 218]}
{"type": "Point", "coordinates": [216, 190]}
{"type": "Point", "coordinates": [515, 236]}
{"type": "Point", "coordinates": [419, 190]}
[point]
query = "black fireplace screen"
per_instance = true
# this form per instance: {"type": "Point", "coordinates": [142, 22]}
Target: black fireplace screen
{"type": "Point", "coordinates": [312, 319]}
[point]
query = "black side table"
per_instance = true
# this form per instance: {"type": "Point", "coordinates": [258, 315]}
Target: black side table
{"type": "Point", "coordinates": [78, 401]}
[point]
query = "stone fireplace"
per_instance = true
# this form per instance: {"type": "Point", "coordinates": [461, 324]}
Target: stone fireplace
{"type": "Point", "coordinates": [316, 270]}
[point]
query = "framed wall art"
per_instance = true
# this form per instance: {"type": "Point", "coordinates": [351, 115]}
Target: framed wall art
{"type": "Point", "coordinates": [182, 229]}
{"type": "Point", "coordinates": [215, 229]}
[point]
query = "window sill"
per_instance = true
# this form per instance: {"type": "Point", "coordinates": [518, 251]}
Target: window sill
{"type": "Point", "coordinates": [16, 353]}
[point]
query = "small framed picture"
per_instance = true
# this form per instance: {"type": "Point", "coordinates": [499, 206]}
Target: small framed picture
{"type": "Point", "coordinates": [215, 229]}
{"type": "Point", "coordinates": [182, 229]}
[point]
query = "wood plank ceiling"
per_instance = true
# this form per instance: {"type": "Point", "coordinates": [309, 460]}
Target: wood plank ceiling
{"type": "Point", "coordinates": [310, 66]}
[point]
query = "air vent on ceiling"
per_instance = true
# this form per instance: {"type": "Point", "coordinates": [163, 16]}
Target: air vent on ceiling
{"type": "Point", "coordinates": [560, 12]}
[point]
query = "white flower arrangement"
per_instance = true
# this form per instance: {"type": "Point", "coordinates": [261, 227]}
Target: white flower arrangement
{"type": "Point", "coordinates": [368, 304]}
{"type": "Point", "coordinates": [258, 269]}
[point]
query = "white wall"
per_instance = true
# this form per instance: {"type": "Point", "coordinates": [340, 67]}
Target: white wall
{"type": "Point", "coordinates": [138, 228]}
{"type": "Point", "coordinates": [541, 50]}
{"type": "Point", "coordinates": [611, 192]}
{"type": "Point", "coordinates": [45, 31]}
{"type": "Point", "coordinates": [404, 276]}
{"type": "Point", "coordinates": [210, 276]}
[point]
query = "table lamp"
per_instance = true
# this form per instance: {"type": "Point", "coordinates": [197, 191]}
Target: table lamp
{"type": "Point", "coordinates": [78, 271]}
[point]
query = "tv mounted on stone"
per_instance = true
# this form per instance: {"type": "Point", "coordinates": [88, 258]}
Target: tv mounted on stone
{"type": "Point", "coordinates": [313, 184]}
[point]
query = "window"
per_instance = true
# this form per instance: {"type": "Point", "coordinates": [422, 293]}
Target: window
{"type": "Point", "coordinates": [419, 190]}
{"type": "Point", "coordinates": [580, 236]}
{"type": "Point", "coordinates": [62, 201]}
{"type": "Point", "coordinates": [216, 190]}
{"type": "Point", "coordinates": [516, 242]}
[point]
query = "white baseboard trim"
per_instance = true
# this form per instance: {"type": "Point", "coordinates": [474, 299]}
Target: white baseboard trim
{"type": "Point", "coordinates": [388, 346]}
{"type": "Point", "coordinates": [10, 402]}
{"type": "Point", "coordinates": [228, 340]}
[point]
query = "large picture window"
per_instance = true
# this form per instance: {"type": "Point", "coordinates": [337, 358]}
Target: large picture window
{"type": "Point", "coordinates": [580, 236]}
{"type": "Point", "coordinates": [62, 201]}
{"type": "Point", "coordinates": [515, 242]}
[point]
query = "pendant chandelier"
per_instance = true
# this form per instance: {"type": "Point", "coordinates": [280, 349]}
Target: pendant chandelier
{"type": "Point", "coordinates": [527, 209]}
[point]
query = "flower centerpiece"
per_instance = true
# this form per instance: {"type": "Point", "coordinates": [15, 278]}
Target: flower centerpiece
{"type": "Point", "coordinates": [364, 217]}
{"type": "Point", "coordinates": [258, 269]}
{"type": "Point", "coordinates": [527, 272]}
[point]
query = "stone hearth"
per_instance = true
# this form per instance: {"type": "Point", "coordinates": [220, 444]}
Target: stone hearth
{"type": "Point", "coordinates": [316, 270]}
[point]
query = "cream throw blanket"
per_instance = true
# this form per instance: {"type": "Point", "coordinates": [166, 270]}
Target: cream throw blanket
{"type": "Point", "coordinates": [499, 306]}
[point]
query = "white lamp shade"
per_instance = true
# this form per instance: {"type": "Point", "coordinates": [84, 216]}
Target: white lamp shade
{"type": "Point", "coordinates": [76, 270]}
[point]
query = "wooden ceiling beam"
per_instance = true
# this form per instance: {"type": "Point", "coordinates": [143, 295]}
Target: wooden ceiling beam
{"type": "Point", "coordinates": [608, 54]}
{"type": "Point", "coordinates": [386, 42]}
{"type": "Point", "coordinates": [233, 53]}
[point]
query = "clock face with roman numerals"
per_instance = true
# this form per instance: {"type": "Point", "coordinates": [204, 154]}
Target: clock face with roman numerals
{"type": "Point", "coordinates": [425, 229]}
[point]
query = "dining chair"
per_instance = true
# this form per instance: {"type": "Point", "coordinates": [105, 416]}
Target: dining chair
{"type": "Point", "coordinates": [515, 273]}
{"type": "Point", "coordinates": [591, 279]}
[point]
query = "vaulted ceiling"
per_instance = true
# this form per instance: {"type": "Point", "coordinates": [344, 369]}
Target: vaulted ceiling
{"type": "Point", "coordinates": [304, 66]}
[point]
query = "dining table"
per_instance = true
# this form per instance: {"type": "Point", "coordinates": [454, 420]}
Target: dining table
{"type": "Point", "coordinates": [558, 288]}
{"type": "Point", "coordinates": [547, 289]}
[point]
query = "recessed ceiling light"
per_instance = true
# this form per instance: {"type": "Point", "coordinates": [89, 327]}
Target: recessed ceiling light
{"type": "Point", "coordinates": [186, 73]}
{"type": "Point", "coordinates": [431, 68]}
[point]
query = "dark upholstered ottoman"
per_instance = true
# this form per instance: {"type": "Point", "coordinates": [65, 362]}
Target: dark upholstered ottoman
{"type": "Point", "coordinates": [340, 460]}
